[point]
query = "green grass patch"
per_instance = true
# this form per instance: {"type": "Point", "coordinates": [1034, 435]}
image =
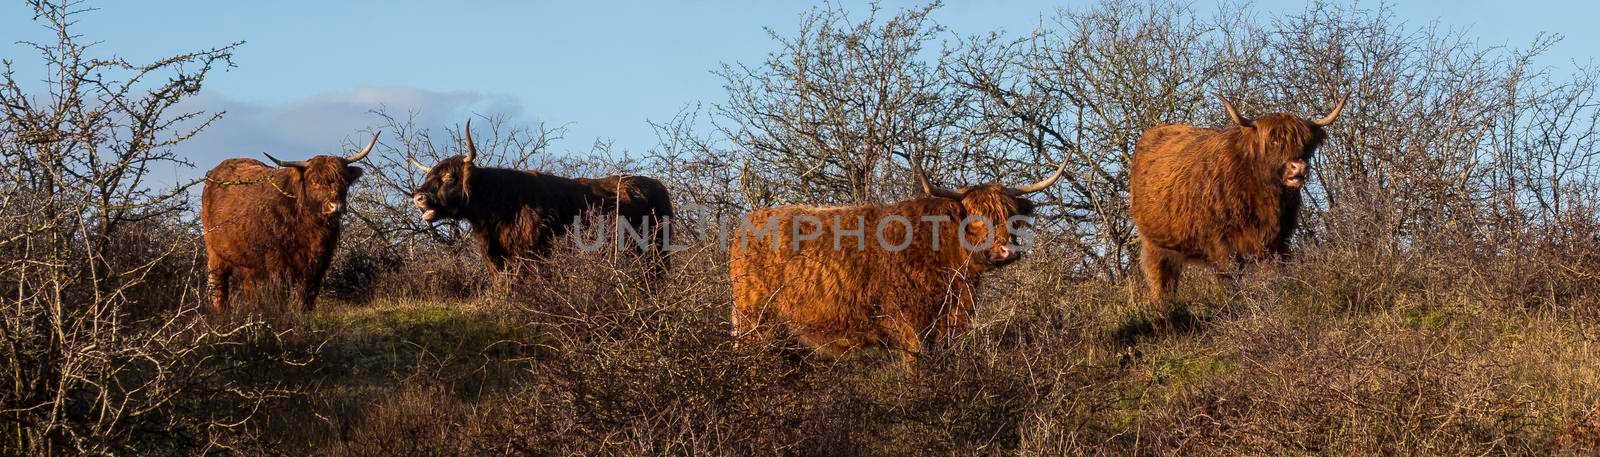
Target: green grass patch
{"type": "Point", "coordinates": [385, 340]}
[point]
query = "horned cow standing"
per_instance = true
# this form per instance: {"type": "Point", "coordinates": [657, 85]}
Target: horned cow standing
{"type": "Point", "coordinates": [279, 223]}
{"type": "Point", "coordinates": [518, 214]}
{"type": "Point", "coordinates": [1219, 196]}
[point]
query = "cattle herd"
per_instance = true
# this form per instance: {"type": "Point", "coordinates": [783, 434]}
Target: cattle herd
{"type": "Point", "coordinates": [899, 276]}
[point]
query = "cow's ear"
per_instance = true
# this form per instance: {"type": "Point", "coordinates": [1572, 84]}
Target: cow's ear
{"type": "Point", "coordinates": [353, 172]}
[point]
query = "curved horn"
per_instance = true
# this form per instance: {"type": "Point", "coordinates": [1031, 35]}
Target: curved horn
{"type": "Point", "coordinates": [365, 150]}
{"type": "Point", "coordinates": [928, 187]}
{"type": "Point", "coordinates": [1332, 116]}
{"type": "Point", "coordinates": [286, 164]}
{"type": "Point", "coordinates": [1042, 184]}
{"type": "Point", "coordinates": [419, 165]}
{"type": "Point", "coordinates": [472, 150]}
{"type": "Point", "coordinates": [1232, 113]}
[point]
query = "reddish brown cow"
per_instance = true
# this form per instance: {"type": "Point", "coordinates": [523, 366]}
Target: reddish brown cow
{"type": "Point", "coordinates": [517, 213]}
{"type": "Point", "coordinates": [279, 223]}
{"type": "Point", "coordinates": [898, 275]}
{"type": "Point", "coordinates": [1219, 197]}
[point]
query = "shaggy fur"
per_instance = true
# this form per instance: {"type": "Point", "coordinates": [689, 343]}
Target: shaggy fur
{"type": "Point", "coordinates": [1218, 197]}
{"type": "Point", "coordinates": [265, 223]}
{"type": "Point", "coordinates": [865, 294]}
{"type": "Point", "coordinates": [518, 213]}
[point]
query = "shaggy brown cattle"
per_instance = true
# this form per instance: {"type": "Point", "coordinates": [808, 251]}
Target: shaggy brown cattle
{"type": "Point", "coordinates": [274, 223]}
{"type": "Point", "coordinates": [898, 275]}
{"type": "Point", "coordinates": [1219, 197]}
{"type": "Point", "coordinates": [517, 213]}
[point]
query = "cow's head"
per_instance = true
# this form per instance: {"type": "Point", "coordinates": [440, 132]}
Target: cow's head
{"type": "Point", "coordinates": [445, 192]}
{"type": "Point", "coordinates": [994, 216]}
{"type": "Point", "coordinates": [1281, 144]}
{"type": "Point", "coordinates": [324, 180]}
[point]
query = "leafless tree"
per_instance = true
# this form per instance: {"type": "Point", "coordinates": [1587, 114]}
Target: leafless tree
{"type": "Point", "coordinates": [708, 180]}
{"type": "Point", "coordinates": [823, 118]}
{"type": "Point", "coordinates": [84, 235]}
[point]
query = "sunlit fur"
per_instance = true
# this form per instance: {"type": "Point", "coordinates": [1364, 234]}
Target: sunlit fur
{"type": "Point", "coordinates": [1216, 197]}
{"type": "Point", "coordinates": [263, 223]}
{"type": "Point", "coordinates": [517, 213]}
{"type": "Point", "coordinates": [865, 294]}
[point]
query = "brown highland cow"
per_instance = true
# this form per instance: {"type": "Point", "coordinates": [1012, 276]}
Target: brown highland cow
{"type": "Point", "coordinates": [280, 223]}
{"type": "Point", "coordinates": [899, 276]}
{"type": "Point", "coordinates": [1220, 197]}
{"type": "Point", "coordinates": [517, 213]}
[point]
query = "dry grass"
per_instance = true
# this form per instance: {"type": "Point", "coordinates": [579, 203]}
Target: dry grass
{"type": "Point", "coordinates": [1327, 356]}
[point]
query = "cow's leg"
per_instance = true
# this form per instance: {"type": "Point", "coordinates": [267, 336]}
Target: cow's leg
{"type": "Point", "coordinates": [492, 253]}
{"type": "Point", "coordinates": [537, 257]}
{"type": "Point", "coordinates": [310, 285]}
{"type": "Point", "coordinates": [1233, 272]}
{"type": "Point", "coordinates": [1162, 269]}
{"type": "Point", "coordinates": [497, 264]}
{"type": "Point", "coordinates": [657, 264]}
{"type": "Point", "coordinates": [647, 249]}
{"type": "Point", "coordinates": [747, 328]}
{"type": "Point", "coordinates": [217, 279]}
{"type": "Point", "coordinates": [637, 236]}
{"type": "Point", "coordinates": [653, 260]}
{"type": "Point", "coordinates": [308, 295]}
{"type": "Point", "coordinates": [742, 327]}
{"type": "Point", "coordinates": [907, 340]}
{"type": "Point", "coordinates": [658, 255]}
{"type": "Point", "coordinates": [248, 284]}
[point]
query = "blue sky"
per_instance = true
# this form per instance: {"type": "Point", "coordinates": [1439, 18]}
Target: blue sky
{"type": "Point", "coordinates": [310, 70]}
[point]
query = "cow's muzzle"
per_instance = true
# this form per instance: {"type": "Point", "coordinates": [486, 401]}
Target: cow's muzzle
{"type": "Point", "coordinates": [1006, 255]}
{"type": "Point", "coordinates": [1295, 174]}
{"type": "Point", "coordinates": [421, 202]}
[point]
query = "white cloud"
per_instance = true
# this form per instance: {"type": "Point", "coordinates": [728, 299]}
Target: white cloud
{"type": "Point", "coordinates": [318, 124]}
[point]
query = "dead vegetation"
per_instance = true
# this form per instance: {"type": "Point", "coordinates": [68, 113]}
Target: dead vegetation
{"type": "Point", "coordinates": [1444, 300]}
{"type": "Point", "coordinates": [1288, 362]}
